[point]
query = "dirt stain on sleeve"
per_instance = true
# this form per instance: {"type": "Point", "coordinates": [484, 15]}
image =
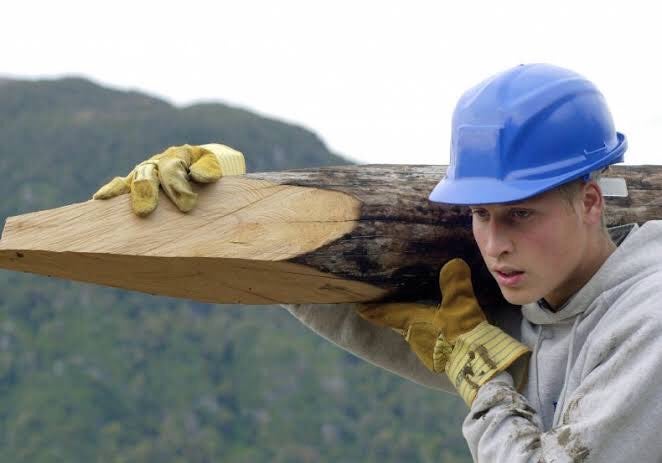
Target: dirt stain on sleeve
{"type": "Point", "coordinates": [573, 446]}
{"type": "Point", "coordinates": [571, 410]}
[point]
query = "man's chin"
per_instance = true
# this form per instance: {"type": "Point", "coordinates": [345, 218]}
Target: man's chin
{"type": "Point", "coordinates": [518, 297]}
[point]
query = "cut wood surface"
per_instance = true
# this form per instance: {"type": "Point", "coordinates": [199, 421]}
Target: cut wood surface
{"type": "Point", "coordinates": [335, 234]}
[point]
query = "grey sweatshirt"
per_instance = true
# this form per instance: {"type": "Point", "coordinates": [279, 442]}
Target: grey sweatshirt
{"type": "Point", "coordinates": [594, 390]}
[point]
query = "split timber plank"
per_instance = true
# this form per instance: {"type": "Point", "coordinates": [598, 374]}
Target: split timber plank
{"type": "Point", "coordinates": [325, 235]}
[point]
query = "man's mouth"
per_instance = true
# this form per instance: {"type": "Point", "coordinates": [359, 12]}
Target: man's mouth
{"type": "Point", "coordinates": [509, 277]}
{"type": "Point", "coordinates": [509, 272]}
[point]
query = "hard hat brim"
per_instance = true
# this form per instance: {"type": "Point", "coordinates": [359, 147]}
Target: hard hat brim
{"type": "Point", "coordinates": [471, 191]}
{"type": "Point", "coordinates": [476, 191]}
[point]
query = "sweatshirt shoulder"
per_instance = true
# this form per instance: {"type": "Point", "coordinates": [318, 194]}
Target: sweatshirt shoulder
{"type": "Point", "coordinates": [634, 302]}
{"type": "Point", "coordinates": [631, 323]}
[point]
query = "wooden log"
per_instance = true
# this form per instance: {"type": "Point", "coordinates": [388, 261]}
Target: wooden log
{"type": "Point", "coordinates": [336, 234]}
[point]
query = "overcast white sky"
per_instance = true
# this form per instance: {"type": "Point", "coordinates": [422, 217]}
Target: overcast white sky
{"type": "Point", "coordinates": [376, 80]}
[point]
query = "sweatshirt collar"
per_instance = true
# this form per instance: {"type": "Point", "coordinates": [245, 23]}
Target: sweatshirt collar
{"type": "Point", "coordinates": [541, 314]}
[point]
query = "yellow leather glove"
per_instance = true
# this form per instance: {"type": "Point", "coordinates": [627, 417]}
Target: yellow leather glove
{"type": "Point", "coordinates": [454, 336]}
{"type": "Point", "coordinates": [172, 170]}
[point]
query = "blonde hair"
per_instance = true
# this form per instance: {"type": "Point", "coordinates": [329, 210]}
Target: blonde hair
{"type": "Point", "coordinates": [570, 190]}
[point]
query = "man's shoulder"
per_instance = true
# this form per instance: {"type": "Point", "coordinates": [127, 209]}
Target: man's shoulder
{"type": "Point", "coordinates": [636, 302]}
{"type": "Point", "coordinates": [632, 320]}
{"type": "Point", "coordinates": [633, 286]}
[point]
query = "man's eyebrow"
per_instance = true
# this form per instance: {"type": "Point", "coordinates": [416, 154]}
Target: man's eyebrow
{"type": "Point", "coordinates": [503, 205]}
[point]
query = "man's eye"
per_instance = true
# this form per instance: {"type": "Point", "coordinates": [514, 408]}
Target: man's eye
{"type": "Point", "coordinates": [479, 213]}
{"type": "Point", "coordinates": [521, 214]}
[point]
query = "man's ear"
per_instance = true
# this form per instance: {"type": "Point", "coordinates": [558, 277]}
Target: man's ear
{"type": "Point", "coordinates": [593, 202]}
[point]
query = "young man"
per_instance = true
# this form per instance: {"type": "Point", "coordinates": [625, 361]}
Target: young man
{"type": "Point", "coordinates": [526, 145]}
{"type": "Point", "coordinates": [574, 375]}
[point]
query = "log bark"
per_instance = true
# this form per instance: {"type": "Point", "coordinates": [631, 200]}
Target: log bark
{"type": "Point", "coordinates": [326, 235]}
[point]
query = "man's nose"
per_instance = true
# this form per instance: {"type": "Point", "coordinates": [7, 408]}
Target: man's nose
{"type": "Point", "coordinates": [498, 240]}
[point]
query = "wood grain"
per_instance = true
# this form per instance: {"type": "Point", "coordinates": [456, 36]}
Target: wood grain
{"type": "Point", "coordinates": [335, 234]}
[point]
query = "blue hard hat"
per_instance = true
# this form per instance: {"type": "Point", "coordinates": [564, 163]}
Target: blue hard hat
{"type": "Point", "coordinates": [525, 131]}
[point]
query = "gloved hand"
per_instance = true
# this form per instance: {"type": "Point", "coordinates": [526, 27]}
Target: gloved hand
{"type": "Point", "coordinates": [455, 336]}
{"type": "Point", "coordinates": [171, 170]}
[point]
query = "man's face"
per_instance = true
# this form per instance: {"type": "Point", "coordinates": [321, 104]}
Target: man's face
{"type": "Point", "coordinates": [533, 248]}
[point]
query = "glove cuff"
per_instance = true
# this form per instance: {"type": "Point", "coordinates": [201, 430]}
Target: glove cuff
{"type": "Point", "coordinates": [232, 161]}
{"type": "Point", "coordinates": [479, 355]}
{"type": "Point", "coordinates": [441, 353]}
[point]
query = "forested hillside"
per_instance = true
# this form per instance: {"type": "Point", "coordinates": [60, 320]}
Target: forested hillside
{"type": "Point", "coordinates": [92, 374]}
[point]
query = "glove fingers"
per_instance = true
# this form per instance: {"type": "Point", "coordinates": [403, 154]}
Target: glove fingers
{"type": "Point", "coordinates": [173, 176]}
{"type": "Point", "coordinates": [117, 186]}
{"type": "Point", "coordinates": [455, 277]}
{"type": "Point", "coordinates": [395, 315]}
{"type": "Point", "coordinates": [144, 189]}
{"type": "Point", "coordinates": [206, 169]}
{"type": "Point", "coordinates": [458, 301]}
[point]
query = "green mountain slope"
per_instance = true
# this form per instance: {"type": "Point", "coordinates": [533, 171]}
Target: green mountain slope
{"type": "Point", "coordinates": [74, 135]}
{"type": "Point", "coordinates": [97, 374]}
